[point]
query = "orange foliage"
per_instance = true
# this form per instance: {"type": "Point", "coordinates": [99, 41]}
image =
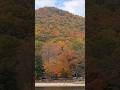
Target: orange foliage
{"type": "Point", "coordinates": [61, 43]}
{"type": "Point", "coordinates": [56, 66]}
{"type": "Point", "coordinates": [77, 34]}
{"type": "Point", "coordinates": [57, 69]}
{"type": "Point", "coordinates": [55, 33]}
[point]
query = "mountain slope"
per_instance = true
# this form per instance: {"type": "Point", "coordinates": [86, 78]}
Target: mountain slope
{"type": "Point", "coordinates": [56, 18]}
{"type": "Point", "coordinates": [60, 42]}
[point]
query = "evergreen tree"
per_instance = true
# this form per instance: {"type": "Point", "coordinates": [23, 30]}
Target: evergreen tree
{"type": "Point", "coordinates": [39, 69]}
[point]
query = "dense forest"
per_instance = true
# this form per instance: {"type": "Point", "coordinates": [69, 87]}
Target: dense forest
{"type": "Point", "coordinates": [59, 44]}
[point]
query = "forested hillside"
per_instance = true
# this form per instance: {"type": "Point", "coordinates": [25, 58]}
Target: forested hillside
{"type": "Point", "coordinates": [59, 44]}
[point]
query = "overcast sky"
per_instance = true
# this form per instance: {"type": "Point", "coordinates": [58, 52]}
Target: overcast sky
{"type": "Point", "coordinates": [76, 7]}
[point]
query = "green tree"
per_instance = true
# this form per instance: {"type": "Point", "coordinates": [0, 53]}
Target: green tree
{"type": "Point", "coordinates": [64, 73]}
{"type": "Point", "coordinates": [39, 69]}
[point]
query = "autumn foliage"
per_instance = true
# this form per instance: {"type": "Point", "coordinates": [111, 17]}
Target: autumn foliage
{"type": "Point", "coordinates": [60, 41]}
